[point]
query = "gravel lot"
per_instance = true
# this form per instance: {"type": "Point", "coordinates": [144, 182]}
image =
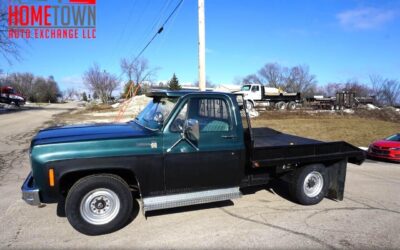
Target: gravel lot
{"type": "Point", "coordinates": [367, 218]}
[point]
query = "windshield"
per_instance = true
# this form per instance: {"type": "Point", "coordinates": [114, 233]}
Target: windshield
{"type": "Point", "coordinates": [156, 112]}
{"type": "Point", "coordinates": [245, 88]}
{"type": "Point", "coordinates": [394, 138]}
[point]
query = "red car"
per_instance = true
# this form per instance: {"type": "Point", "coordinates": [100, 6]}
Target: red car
{"type": "Point", "coordinates": [388, 148]}
{"type": "Point", "coordinates": [9, 95]}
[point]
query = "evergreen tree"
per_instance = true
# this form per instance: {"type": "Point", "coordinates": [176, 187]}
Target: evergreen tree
{"type": "Point", "coordinates": [132, 90]}
{"type": "Point", "coordinates": [173, 84]}
{"type": "Point", "coordinates": [84, 97]}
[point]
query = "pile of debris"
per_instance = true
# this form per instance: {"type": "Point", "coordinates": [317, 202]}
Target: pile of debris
{"type": "Point", "coordinates": [387, 113]}
{"type": "Point", "coordinates": [134, 105]}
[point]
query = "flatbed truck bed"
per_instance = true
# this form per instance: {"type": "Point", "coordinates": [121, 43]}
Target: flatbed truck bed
{"type": "Point", "coordinates": [271, 148]}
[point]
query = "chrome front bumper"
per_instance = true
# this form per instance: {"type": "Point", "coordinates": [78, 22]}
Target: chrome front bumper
{"type": "Point", "coordinates": [30, 193]}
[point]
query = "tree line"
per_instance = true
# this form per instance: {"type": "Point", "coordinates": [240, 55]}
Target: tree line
{"type": "Point", "coordinates": [299, 79]}
{"type": "Point", "coordinates": [33, 88]}
{"type": "Point", "coordinates": [140, 79]}
{"type": "Point", "coordinates": [138, 72]}
{"type": "Point", "coordinates": [294, 79]}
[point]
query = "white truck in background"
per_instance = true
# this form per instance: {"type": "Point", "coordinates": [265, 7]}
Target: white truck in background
{"type": "Point", "coordinates": [256, 95]}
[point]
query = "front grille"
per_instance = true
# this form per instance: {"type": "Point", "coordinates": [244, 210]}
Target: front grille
{"type": "Point", "coordinates": [379, 151]}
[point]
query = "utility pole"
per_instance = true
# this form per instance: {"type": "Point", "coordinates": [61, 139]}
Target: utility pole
{"type": "Point", "coordinates": [202, 47]}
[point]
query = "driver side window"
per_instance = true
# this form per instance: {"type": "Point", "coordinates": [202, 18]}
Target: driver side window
{"type": "Point", "coordinates": [177, 124]}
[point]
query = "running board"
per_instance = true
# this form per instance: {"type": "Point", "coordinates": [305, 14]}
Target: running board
{"type": "Point", "coordinates": [186, 199]}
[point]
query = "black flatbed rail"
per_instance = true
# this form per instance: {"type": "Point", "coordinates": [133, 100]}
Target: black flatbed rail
{"type": "Point", "coordinates": [271, 148]}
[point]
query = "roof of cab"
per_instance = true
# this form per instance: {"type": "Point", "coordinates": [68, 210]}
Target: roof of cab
{"type": "Point", "coordinates": [179, 93]}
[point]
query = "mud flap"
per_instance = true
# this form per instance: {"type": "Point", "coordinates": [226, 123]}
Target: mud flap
{"type": "Point", "coordinates": [337, 177]}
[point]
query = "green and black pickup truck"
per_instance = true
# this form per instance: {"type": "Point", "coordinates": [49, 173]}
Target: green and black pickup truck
{"type": "Point", "coordinates": [184, 148]}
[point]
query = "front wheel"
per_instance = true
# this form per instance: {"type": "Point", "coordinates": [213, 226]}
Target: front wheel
{"type": "Point", "coordinates": [99, 204]}
{"type": "Point", "coordinates": [249, 105]}
{"type": "Point", "coordinates": [309, 184]}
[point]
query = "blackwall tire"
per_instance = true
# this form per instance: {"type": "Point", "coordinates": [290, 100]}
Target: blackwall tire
{"type": "Point", "coordinates": [249, 105]}
{"type": "Point", "coordinates": [99, 204]}
{"type": "Point", "coordinates": [309, 184]}
{"type": "Point", "coordinates": [280, 105]}
{"type": "Point", "coordinates": [291, 106]}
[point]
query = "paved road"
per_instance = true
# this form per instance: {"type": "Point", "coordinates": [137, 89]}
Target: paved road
{"type": "Point", "coordinates": [367, 218]}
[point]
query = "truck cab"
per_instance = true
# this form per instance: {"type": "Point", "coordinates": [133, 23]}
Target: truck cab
{"type": "Point", "coordinates": [184, 148]}
{"type": "Point", "coordinates": [252, 92]}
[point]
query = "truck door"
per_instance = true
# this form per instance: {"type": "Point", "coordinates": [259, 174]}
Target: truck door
{"type": "Point", "coordinates": [255, 92]}
{"type": "Point", "coordinates": [212, 161]}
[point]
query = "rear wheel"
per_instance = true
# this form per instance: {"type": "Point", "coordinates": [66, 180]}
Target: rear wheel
{"type": "Point", "coordinates": [99, 204]}
{"type": "Point", "coordinates": [280, 105]}
{"type": "Point", "coordinates": [309, 184]}
{"type": "Point", "coordinates": [291, 106]}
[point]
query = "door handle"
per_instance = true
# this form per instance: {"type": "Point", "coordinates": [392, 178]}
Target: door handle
{"type": "Point", "coordinates": [229, 136]}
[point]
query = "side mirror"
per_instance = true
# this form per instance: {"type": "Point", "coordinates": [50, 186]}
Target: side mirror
{"type": "Point", "coordinates": [191, 129]}
{"type": "Point", "coordinates": [158, 117]}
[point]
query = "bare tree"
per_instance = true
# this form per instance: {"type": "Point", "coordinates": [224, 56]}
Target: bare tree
{"type": "Point", "coordinates": [209, 83]}
{"type": "Point", "coordinates": [138, 70]}
{"type": "Point", "coordinates": [376, 82]}
{"type": "Point", "coordinates": [253, 78]}
{"type": "Point", "coordinates": [386, 91]}
{"type": "Point", "coordinates": [300, 80]}
{"type": "Point", "coordinates": [391, 92]}
{"type": "Point", "coordinates": [70, 93]}
{"type": "Point", "coordinates": [238, 80]}
{"type": "Point", "coordinates": [295, 79]}
{"type": "Point", "coordinates": [272, 75]}
{"type": "Point", "coordinates": [9, 48]}
{"type": "Point", "coordinates": [127, 67]}
{"type": "Point", "coordinates": [332, 88]}
{"type": "Point", "coordinates": [23, 83]}
{"type": "Point", "coordinates": [358, 88]}
{"type": "Point", "coordinates": [100, 82]}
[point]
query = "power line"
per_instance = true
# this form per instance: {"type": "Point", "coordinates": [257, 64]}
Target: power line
{"type": "Point", "coordinates": [167, 31]}
{"type": "Point", "coordinates": [160, 29]}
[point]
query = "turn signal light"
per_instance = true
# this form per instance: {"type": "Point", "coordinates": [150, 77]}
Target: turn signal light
{"type": "Point", "coordinates": [51, 177]}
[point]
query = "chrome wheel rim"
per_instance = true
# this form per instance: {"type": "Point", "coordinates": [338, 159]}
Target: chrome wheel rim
{"type": "Point", "coordinates": [249, 105]}
{"type": "Point", "coordinates": [100, 206]}
{"type": "Point", "coordinates": [313, 184]}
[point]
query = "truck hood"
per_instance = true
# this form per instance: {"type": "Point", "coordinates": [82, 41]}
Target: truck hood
{"type": "Point", "coordinates": [90, 132]}
{"type": "Point", "coordinates": [387, 144]}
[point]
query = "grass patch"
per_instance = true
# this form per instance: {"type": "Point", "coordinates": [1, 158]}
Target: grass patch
{"type": "Point", "coordinates": [359, 131]}
{"type": "Point", "coordinates": [99, 107]}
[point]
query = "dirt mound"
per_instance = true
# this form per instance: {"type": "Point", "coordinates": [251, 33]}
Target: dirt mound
{"type": "Point", "coordinates": [389, 114]}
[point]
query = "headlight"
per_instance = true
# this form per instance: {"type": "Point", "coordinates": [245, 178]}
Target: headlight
{"type": "Point", "coordinates": [397, 149]}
